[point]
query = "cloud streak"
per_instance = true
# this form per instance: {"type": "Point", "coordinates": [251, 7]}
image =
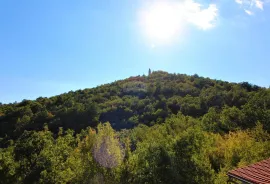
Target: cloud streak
{"type": "Point", "coordinates": [249, 12]}
{"type": "Point", "coordinates": [249, 6]}
{"type": "Point", "coordinates": [239, 1]}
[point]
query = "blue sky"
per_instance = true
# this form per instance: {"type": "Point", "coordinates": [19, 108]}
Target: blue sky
{"type": "Point", "coordinates": [51, 47]}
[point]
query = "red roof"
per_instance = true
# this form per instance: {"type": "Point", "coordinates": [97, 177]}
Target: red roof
{"type": "Point", "coordinates": [258, 173]}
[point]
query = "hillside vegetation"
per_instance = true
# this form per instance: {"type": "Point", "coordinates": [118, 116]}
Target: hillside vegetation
{"type": "Point", "coordinates": [161, 128]}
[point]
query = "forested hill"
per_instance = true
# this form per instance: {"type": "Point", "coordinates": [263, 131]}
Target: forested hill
{"type": "Point", "coordinates": [143, 100]}
{"type": "Point", "coordinates": [161, 128]}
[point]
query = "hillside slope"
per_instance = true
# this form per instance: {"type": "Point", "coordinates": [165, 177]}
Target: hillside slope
{"type": "Point", "coordinates": [162, 128]}
{"type": "Point", "coordinates": [140, 100]}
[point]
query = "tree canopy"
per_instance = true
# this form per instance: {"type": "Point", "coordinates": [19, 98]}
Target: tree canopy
{"type": "Point", "coordinates": [160, 128]}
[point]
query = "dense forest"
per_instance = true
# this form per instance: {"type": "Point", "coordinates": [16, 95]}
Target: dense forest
{"type": "Point", "coordinates": [160, 128]}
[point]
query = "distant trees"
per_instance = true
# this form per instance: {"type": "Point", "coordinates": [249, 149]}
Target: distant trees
{"type": "Point", "coordinates": [165, 128]}
{"type": "Point", "coordinates": [129, 102]}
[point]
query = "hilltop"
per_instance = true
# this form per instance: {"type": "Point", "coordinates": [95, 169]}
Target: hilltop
{"type": "Point", "coordinates": [137, 100]}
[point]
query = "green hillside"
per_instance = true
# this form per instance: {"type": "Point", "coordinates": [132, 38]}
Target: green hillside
{"type": "Point", "coordinates": [163, 128]}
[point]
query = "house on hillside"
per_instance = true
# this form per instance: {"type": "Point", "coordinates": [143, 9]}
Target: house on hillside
{"type": "Point", "coordinates": [258, 173]}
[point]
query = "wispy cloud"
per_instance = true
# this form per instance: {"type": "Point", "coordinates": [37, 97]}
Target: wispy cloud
{"type": "Point", "coordinates": [249, 6]}
{"type": "Point", "coordinates": [259, 4]}
{"type": "Point", "coordinates": [249, 12]}
{"type": "Point", "coordinates": [239, 1]}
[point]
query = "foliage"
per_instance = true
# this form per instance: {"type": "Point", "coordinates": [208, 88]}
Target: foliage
{"type": "Point", "coordinates": [163, 128]}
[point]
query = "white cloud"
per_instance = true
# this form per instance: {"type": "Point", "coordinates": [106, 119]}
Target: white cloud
{"type": "Point", "coordinates": [165, 15]}
{"type": "Point", "coordinates": [202, 18]}
{"type": "Point", "coordinates": [259, 4]}
{"type": "Point", "coordinates": [250, 6]}
{"type": "Point", "coordinates": [164, 20]}
{"type": "Point", "coordinates": [249, 12]}
{"type": "Point", "coordinates": [239, 1]}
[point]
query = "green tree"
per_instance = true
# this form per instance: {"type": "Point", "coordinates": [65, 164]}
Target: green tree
{"type": "Point", "coordinates": [191, 161]}
{"type": "Point", "coordinates": [27, 151]}
{"type": "Point", "coordinates": [8, 165]}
